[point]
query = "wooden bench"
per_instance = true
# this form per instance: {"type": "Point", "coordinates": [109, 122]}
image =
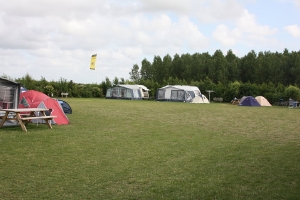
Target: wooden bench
{"type": "Point", "coordinates": [218, 99]}
{"type": "Point", "coordinates": [46, 118]}
{"type": "Point", "coordinates": [38, 117]}
{"type": "Point", "coordinates": [64, 94]}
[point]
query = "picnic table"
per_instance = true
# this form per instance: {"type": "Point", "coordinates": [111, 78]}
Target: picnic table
{"type": "Point", "coordinates": [24, 116]}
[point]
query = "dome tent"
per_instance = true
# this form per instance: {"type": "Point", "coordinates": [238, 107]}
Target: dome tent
{"type": "Point", "coordinates": [35, 99]}
{"type": "Point", "coordinates": [249, 101]}
{"type": "Point", "coordinates": [262, 101]}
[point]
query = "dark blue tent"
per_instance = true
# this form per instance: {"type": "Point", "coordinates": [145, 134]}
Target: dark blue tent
{"type": "Point", "coordinates": [249, 101]}
{"type": "Point", "coordinates": [23, 90]}
{"type": "Point", "coordinates": [65, 106]}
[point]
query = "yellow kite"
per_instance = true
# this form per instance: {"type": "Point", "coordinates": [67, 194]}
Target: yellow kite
{"type": "Point", "coordinates": [93, 62]}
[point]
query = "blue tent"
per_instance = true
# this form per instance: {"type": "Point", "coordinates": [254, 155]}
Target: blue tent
{"type": "Point", "coordinates": [23, 90]}
{"type": "Point", "coordinates": [65, 106]}
{"type": "Point", "coordinates": [249, 101]}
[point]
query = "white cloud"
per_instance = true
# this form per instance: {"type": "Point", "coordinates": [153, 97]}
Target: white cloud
{"type": "Point", "coordinates": [226, 36]}
{"type": "Point", "coordinates": [297, 2]}
{"type": "Point", "coordinates": [294, 30]}
{"type": "Point", "coordinates": [248, 24]}
{"type": "Point", "coordinates": [246, 31]}
{"type": "Point", "coordinates": [56, 38]}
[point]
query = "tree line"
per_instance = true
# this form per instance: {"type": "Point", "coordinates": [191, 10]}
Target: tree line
{"type": "Point", "coordinates": [275, 76]}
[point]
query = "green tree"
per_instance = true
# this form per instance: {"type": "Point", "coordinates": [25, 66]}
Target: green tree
{"type": "Point", "coordinates": [48, 89]}
{"type": "Point", "coordinates": [116, 81]}
{"type": "Point", "coordinates": [146, 70]}
{"type": "Point", "coordinates": [135, 74]}
{"type": "Point", "coordinates": [247, 67]}
{"type": "Point", "coordinates": [158, 70]}
{"type": "Point", "coordinates": [177, 67]}
{"type": "Point", "coordinates": [292, 92]}
{"type": "Point", "coordinates": [232, 66]}
{"type": "Point", "coordinates": [220, 68]}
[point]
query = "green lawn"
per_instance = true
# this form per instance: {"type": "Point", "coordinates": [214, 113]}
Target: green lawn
{"type": "Point", "coordinates": [122, 149]}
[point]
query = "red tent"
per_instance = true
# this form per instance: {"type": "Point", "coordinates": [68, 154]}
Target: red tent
{"type": "Point", "coordinates": [35, 99]}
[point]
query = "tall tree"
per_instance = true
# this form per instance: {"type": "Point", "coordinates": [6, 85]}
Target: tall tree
{"type": "Point", "coordinates": [146, 71]}
{"type": "Point", "coordinates": [167, 65]}
{"type": "Point", "coordinates": [158, 70]}
{"type": "Point", "coordinates": [247, 67]}
{"type": "Point", "coordinates": [232, 66]}
{"type": "Point", "coordinates": [220, 68]}
{"type": "Point", "coordinates": [187, 61]}
{"type": "Point", "coordinates": [177, 67]}
{"type": "Point", "coordinates": [135, 74]}
{"type": "Point", "coordinates": [116, 81]}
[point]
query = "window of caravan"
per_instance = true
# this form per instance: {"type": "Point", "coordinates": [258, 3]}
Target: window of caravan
{"type": "Point", "coordinates": [161, 94]}
{"type": "Point", "coordinates": [178, 95]}
{"type": "Point", "coordinates": [108, 93]}
{"type": "Point", "coordinates": [197, 93]}
{"type": "Point", "coordinates": [192, 94]}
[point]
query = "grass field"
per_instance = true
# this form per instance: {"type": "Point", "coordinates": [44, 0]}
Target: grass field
{"type": "Point", "coordinates": [121, 149]}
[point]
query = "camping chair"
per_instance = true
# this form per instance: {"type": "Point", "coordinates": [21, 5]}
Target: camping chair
{"type": "Point", "coordinates": [292, 103]}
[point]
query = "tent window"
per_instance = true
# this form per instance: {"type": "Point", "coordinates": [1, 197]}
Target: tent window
{"type": "Point", "coordinates": [161, 94]}
{"type": "Point", "coordinates": [7, 96]}
{"type": "Point", "coordinates": [123, 92]}
{"type": "Point", "coordinates": [178, 94]}
{"type": "Point", "coordinates": [129, 93]}
{"type": "Point", "coordinates": [114, 92]}
{"type": "Point", "coordinates": [24, 102]}
{"type": "Point", "coordinates": [136, 94]}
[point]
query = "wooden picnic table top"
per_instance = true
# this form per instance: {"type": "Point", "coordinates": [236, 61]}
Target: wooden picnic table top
{"type": "Point", "coordinates": [23, 121]}
{"type": "Point", "coordinates": [18, 110]}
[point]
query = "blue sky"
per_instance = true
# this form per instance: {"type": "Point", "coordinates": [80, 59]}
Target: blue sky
{"type": "Point", "coordinates": [55, 39]}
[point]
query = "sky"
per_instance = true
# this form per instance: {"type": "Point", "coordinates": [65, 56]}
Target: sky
{"type": "Point", "coordinates": [55, 39]}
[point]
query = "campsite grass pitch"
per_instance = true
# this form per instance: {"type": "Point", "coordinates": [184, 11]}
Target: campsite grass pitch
{"type": "Point", "coordinates": [121, 149]}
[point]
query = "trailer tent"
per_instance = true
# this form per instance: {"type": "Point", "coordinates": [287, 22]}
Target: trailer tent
{"type": "Point", "coordinates": [181, 93]}
{"type": "Point", "coordinates": [127, 92]}
{"type": "Point", "coordinates": [35, 99]}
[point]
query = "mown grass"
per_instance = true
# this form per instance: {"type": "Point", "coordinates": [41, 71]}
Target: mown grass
{"type": "Point", "coordinates": [120, 149]}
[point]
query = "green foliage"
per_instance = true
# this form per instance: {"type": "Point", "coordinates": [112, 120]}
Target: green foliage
{"type": "Point", "coordinates": [292, 92]}
{"type": "Point", "coordinates": [49, 90]}
{"type": "Point", "coordinates": [135, 74]}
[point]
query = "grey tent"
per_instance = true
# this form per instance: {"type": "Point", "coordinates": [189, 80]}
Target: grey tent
{"type": "Point", "coordinates": [133, 92]}
{"type": "Point", "coordinates": [181, 93]}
